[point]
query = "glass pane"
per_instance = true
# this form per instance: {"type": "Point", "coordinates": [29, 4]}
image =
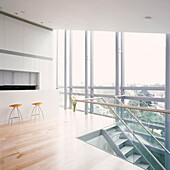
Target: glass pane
{"type": "Point", "coordinates": [104, 58]}
{"type": "Point", "coordinates": [144, 59]}
{"type": "Point", "coordinates": [76, 90]}
{"type": "Point", "coordinates": [146, 93]}
{"type": "Point", "coordinates": [61, 57]}
{"type": "Point", "coordinates": [78, 58]}
{"type": "Point", "coordinates": [104, 91]}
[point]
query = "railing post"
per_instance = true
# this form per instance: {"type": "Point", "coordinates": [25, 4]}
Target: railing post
{"type": "Point", "coordinates": [117, 64]}
{"type": "Point", "coordinates": [167, 102]}
{"type": "Point", "coordinates": [70, 69]}
{"type": "Point", "coordinates": [65, 69]}
{"type": "Point", "coordinates": [122, 72]}
{"type": "Point", "coordinates": [56, 59]}
{"type": "Point", "coordinates": [86, 71]}
{"type": "Point", "coordinates": [91, 69]}
{"type": "Point", "coordinates": [117, 68]}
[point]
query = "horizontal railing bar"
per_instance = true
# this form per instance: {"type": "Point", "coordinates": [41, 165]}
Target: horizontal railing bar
{"type": "Point", "coordinates": [144, 88]}
{"type": "Point", "coordinates": [144, 98]}
{"type": "Point", "coordinates": [119, 96]}
{"type": "Point", "coordinates": [125, 97]}
{"type": "Point", "coordinates": [123, 88]}
{"type": "Point", "coordinates": [79, 94]}
{"type": "Point", "coordinates": [103, 95]}
{"type": "Point", "coordinates": [92, 98]}
{"type": "Point", "coordinates": [150, 125]}
{"type": "Point", "coordinates": [78, 87]}
{"type": "Point", "coordinates": [125, 106]}
{"type": "Point", "coordinates": [103, 87]}
{"type": "Point", "coordinates": [146, 135]}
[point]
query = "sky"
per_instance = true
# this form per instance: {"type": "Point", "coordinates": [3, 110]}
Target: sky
{"type": "Point", "coordinates": [144, 58]}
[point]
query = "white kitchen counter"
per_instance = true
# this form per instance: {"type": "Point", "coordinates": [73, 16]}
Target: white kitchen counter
{"type": "Point", "coordinates": [49, 98]}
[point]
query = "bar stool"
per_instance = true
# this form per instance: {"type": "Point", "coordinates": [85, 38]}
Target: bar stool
{"type": "Point", "coordinates": [15, 109]}
{"type": "Point", "coordinates": [37, 111]}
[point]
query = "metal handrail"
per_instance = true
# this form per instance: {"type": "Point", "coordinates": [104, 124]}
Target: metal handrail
{"type": "Point", "coordinates": [143, 126]}
{"type": "Point", "coordinates": [125, 106]}
{"type": "Point", "coordinates": [109, 105]}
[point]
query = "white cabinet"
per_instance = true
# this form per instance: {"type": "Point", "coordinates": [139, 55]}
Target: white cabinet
{"type": "Point", "coordinates": [2, 61]}
{"type": "Point", "coordinates": [2, 31]}
{"type": "Point", "coordinates": [13, 62]}
{"type": "Point", "coordinates": [31, 39]}
{"type": "Point", "coordinates": [14, 35]}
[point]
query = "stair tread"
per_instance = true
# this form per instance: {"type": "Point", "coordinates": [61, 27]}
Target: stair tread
{"type": "Point", "coordinates": [126, 149]}
{"type": "Point", "coordinates": [112, 134]}
{"type": "Point", "coordinates": [133, 158]}
{"type": "Point", "coordinates": [120, 141]}
{"type": "Point", "coordinates": [143, 165]}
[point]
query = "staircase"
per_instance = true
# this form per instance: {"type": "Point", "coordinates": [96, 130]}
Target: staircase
{"type": "Point", "coordinates": [125, 143]}
{"type": "Point", "coordinates": [124, 147]}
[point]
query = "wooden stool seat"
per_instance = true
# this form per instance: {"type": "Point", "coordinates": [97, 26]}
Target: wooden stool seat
{"type": "Point", "coordinates": [37, 111]}
{"type": "Point", "coordinates": [15, 113]}
{"type": "Point", "coordinates": [37, 103]}
{"type": "Point", "coordinates": [15, 105]}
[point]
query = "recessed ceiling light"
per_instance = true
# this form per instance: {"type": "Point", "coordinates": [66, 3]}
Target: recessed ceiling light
{"type": "Point", "coordinates": [16, 13]}
{"type": "Point", "coordinates": [23, 12]}
{"type": "Point", "coordinates": [41, 22]}
{"type": "Point", "coordinates": [148, 18]}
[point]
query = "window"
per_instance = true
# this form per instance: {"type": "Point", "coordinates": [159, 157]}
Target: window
{"type": "Point", "coordinates": [78, 57]}
{"type": "Point", "coordinates": [104, 58]}
{"type": "Point", "coordinates": [144, 59]}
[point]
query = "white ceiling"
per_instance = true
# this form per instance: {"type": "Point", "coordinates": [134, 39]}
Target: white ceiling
{"type": "Point", "coordinates": [108, 15]}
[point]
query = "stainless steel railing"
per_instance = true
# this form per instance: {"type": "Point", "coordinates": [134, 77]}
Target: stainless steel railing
{"type": "Point", "coordinates": [163, 147]}
{"type": "Point", "coordinates": [86, 100]}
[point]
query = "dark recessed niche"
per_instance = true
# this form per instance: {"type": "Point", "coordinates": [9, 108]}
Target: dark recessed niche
{"type": "Point", "coordinates": [17, 80]}
{"type": "Point", "coordinates": [17, 87]}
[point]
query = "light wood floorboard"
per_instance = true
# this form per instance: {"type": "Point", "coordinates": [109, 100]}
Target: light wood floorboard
{"type": "Point", "coordinates": [52, 144]}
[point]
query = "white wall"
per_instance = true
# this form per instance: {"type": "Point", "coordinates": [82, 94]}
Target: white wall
{"type": "Point", "coordinates": [22, 37]}
{"type": "Point", "coordinates": [49, 98]}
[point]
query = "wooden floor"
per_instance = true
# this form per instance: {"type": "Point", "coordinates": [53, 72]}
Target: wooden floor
{"type": "Point", "coordinates": [52, 144]}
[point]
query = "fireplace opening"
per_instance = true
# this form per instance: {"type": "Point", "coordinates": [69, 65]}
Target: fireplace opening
{"type": "Point", "coordinates": [17, 80]}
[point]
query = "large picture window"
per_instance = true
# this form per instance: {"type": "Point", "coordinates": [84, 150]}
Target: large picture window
{"type": "Point", "coordinates": [144, 59]}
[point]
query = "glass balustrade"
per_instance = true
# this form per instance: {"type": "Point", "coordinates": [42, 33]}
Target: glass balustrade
{"type": "Point", "coordinates": [119, 131]}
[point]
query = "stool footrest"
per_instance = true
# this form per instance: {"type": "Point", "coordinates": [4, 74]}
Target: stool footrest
{"type": "Point", "coordinates": [14, 118]}
{"type": "Point", "coordinates": [35, 114]}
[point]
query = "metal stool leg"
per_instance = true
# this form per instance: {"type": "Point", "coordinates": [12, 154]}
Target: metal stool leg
{"type": "Point", "coordinates": [10, 115]}
{"type": "Point", "coordinates": [35, 114]}
{"type": "Point", "coordinates": [20, 114]}
{"type": "Point", "coordinates": [13, 116]}
{"type": "Point", "coordinates": [41, 111]}
{"type": "Point", "coordinates": [32, 112]}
